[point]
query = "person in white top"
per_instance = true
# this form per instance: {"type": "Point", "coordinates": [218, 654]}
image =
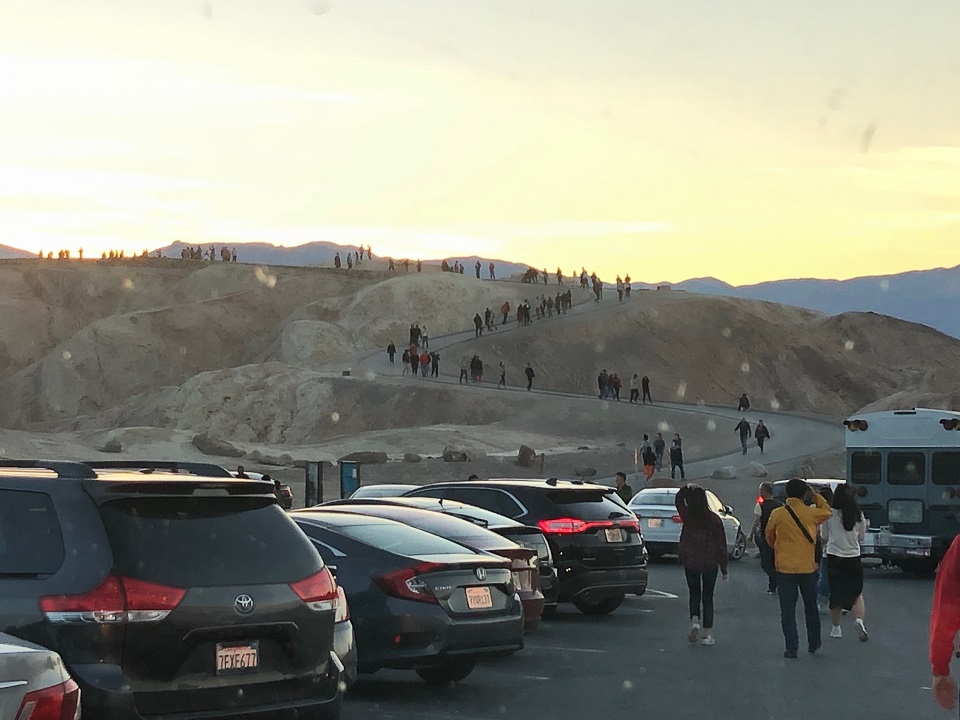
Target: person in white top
{"type": "Point", "coordinates": [843, 532]}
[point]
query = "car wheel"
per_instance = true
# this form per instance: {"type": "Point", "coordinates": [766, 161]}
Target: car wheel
{"type": "Point", "coordinates": [454, 671]}
{"type": "Point", "coordinates": [739, 546]}
{"type": "Point", "coordinates": [598, 606]}
{"type": "Point", "coordinates": [654, 555]}
{"type": "Point", "coordinates": [549, 611]}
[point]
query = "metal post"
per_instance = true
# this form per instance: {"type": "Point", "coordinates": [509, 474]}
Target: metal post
{"type": "Point", "coordinates": [313, 492]}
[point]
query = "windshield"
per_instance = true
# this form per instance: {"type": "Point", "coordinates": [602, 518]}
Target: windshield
{"type": "Point", "coordinates": [645, 497]}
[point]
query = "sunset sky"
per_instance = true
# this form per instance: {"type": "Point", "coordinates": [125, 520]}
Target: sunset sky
{"type": "Point", "coordinates": [750, 141]}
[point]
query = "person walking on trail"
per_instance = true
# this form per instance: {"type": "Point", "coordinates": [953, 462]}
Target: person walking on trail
{"type": "Point", "coordinates": [623, 489]}
{"type": "Point", "coordinates": [843, 532]}
{"type": "Point", "coordinates": [502, 382]}
{"type": "Point", "coordinates": [761, 433]}
{"type": "Point", "coordinates": [634, 389]}
{"type": "Point", "coordinates": [493, 272]}
{"type": "Point", "coordinates": [766, 504]}
{"type": "Point", "coordinates": [603, 381]}
{"type": "Point", "coordinates": [424, 339]}
{"type": "Point", "coordinates": [477, 268]}
{"type": "Point", "coordinates": [823, 575]}
{"type": "Point", "coordinates": [414, 361]}
{"type": "Point", "coordinates": [477, 325]}
{"type": "Point", "coordinates": [424, 363]}
{"type": "Point", "coordinates": [676, 457]}
{"type": "Point", "coordinates": [463, 371]}
{"type": "Point", "coordinates": [791, 530]}
{"type": "Point", "coordinates": [743, 427]}
{"type": "Point", "coordinates": [559, 276]}
{"type": "Point", "coordinates": [944, 623]}
{"type": "Point", "coordinates": [703, 552]}
{"type": "Point", "coordinates": [658, 447]}
{"type": "Point", "coordinates": [744, 403]}
{"type": "Point", "coordinates": [615, 385]}
{"type": "Point", "coordinates": [645, 387]}
{"type": "Point", "coordinates": [434, 364]}
{"type": "Point", "coordinates": [391, 352]}
{"type": "Point", "coordinates": [505, 310]}
{"type": "Point", "coordinates": [530, 375]}
{"type": "Point", "coordinates": [649, 464]}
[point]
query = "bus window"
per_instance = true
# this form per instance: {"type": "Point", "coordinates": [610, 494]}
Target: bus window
{"type": "Point", "coordinates": [905, 468]}
{"type": "Point", "coordinates": [946, 468]}
{"type": "Point", "coordinates": [865, 468]}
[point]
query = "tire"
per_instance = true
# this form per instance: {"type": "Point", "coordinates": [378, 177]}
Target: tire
{"type": "Point", "coordinates": [549, 611]}
{"type": "Point", "coordinates": [599, 606]}
{"type": "Point", "coordinates": [919, 567]}
{"type": "Point", "coordinates": [739, 546]}
{"type": "Point", "coordinates": [453, 671]}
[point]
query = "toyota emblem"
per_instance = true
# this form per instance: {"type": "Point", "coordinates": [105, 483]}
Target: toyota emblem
{"type": "Point", "coordinates": [243, 604]}
{"type": "Point", "coordinates": [481, 573]}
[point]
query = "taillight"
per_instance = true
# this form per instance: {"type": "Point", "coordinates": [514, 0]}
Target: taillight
{"type": "Point", "coordinates": [343, 609]}
{"type": "Point", "coordinates": [116, 600]}
{"type": "Point", "coordinates": [60, 702]}
{"type": "Point", "coordinates": [407, 583]}
{"type": "Point", "coordinates": [631, 524]}
{"type": "Point", "coordinates": [319, 591]}
{"type": "Point", "coordinates": [572, 526]}
{"type": "Point", "coordinates": [677, 519]}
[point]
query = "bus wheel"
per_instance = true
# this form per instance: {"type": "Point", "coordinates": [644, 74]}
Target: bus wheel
{"type": "Point", "coordinates": [921, 567]}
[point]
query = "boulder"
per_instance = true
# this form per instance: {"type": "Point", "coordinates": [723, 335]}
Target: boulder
{"type": "Point", "coordinates": [412, 457]}
{"type": "Point", "coordinates": [254, 457]}
{"type": "Point", "coordinates": [113, 445]}
{"type": "Point", "coordinates": [283, 460]}
{"type": "Point", "coordinates": [526, 456]}
{"type": "Point", "coordinates": [728, 472]}
{"type": "Point", "coordinates": [215, 446]}
{"type": "Point", "coordinates": [366, 457]}
{"type": "Point", "coordinates": [757, 470]}
{"type": "Point", "coordinates": [452, 454]}
{"type": "Point", "coordinates": [585, 472]}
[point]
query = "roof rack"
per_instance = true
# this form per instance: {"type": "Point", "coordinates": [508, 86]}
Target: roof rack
{"type": "Point", "coordinates": [63, 468]}
{"type": "Point", "coordinates": [148, 466]}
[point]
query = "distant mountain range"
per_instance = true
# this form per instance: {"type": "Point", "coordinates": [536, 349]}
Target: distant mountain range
{"type": "Point", "coordinates": [929, 297]}
{"type": "Point", "coordinates": [11, 253]}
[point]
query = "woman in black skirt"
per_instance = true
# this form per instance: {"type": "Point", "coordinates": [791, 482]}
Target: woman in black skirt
{"type": "Point", "coordinates": [843, 532]}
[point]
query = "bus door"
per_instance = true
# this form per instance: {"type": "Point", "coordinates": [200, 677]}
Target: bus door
{"type": "Point", "coordinates": [943, 493]}
{"type": "Point", "coordinates": [906, 490]}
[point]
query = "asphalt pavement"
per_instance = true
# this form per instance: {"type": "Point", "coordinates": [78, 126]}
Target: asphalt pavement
{"type": "Point", "coordinates": [637, 663]}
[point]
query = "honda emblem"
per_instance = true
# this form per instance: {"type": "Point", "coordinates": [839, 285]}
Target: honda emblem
{"type": "Point", "coordinates": [481, 573]}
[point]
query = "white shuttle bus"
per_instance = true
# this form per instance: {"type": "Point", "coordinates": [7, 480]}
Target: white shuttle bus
{"type": "Point", "coordinates": [905, 468]}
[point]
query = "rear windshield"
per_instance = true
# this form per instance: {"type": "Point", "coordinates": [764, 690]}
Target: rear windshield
{"type": "Point", "coordinates": [30, 539]}
{"type": "Point", "coordinates": [446, 526]}
{"type": "Point", "coordinates": [587, 504]}
{"type": "Point", "coordinates": [654, 498]}
{"type": "Point", "coordinates": [401, 539]}
{"type": "Point", "coordinates": [196, 542]}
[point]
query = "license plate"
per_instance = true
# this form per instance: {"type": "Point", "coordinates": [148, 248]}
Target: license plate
{"type": "Point", "coordinates": [233, 658]}
{"type": "Point", "coordinates": [479, 598]}
{"type": "Point", "coordinates": [654, 522]}
{"type": "Point", "coordinates": [613, 534]}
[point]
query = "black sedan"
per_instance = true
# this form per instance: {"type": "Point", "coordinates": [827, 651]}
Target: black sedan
{"type": "Point", "coordinates": [418, 601]}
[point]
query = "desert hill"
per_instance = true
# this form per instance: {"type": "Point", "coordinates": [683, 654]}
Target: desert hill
{"type": "Point", "coordinates": [256, 354]}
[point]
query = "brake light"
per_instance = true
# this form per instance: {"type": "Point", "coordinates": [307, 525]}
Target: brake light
{"type": "Point", "coordinates": [631, 524]}
{"type": "Point", "coordinates": [343, 609]}
{"type": "Point", "coordinates": [677, 519]}
{"type": "Point", "coordinates": [950, 423]}
{"type": "Point", "coordinates": [407, 583]}
{"type": "Point", "coordinates": [571, 526]}
{"type": "Point", "coordinates": [60, 702]}
{"type": "Point", "coordinates": [116, 600]}
{"type": "Point", "coordinates": [319, 591]}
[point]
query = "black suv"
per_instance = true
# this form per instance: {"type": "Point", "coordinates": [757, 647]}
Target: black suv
{"type": "Point", "coordinates": [597, 548]}
{"type": "Point", "coordinates": [166, 593]}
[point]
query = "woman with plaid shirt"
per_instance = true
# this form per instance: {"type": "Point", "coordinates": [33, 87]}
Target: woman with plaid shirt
{"type": "Point", "coordinates": [703, 551]}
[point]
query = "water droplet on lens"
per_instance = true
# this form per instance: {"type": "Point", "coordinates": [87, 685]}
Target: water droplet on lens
{"type": "Point", "coordinates": [335, 417]}
{"type": "Point", "coordinates": [744, 367]}
{"type": "Point", "coordinates": [712, 425]}
{"type": "Point", "coordinates": [848, 345]}
{"type": "Point", "coordinates": [726, 332]}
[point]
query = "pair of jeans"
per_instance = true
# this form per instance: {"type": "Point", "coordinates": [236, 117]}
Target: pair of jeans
{"type": "Point", "coordinates": [674, 466]}
{"type": "Point", "coordinates": [701, 584]}
{"type": "Point", "coordinates": [789, 585]}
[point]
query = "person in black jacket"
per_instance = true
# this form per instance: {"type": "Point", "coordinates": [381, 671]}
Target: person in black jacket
{"type": "Point", "coordinates": [529, 373]}
{"type": "Point", "coordinates": [744, 403]}
{"type": "Point", "coordinates": [676, 457]}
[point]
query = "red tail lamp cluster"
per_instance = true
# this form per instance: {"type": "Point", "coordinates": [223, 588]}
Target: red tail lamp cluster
{"type": "Point", "coordinates": [854, 425]}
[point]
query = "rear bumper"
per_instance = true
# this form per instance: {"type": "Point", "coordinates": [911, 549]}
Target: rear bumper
{"type": "Point", "coordinates": [607, 581]}
{"type": "Point", "coordinates": [662, 547]}
{"type": "Point", "coordinates": [412, 637]}
{"type": "Point", "coordinates": [345, 646]}
{"type": "Point", "coordinates": [896, 546]}
{"type": "Point", "coordinates": [532, 602]}
{"type": "Point", "coordinates": [550, 587]}
{"type": "Point", "coordinates": [106, 695]}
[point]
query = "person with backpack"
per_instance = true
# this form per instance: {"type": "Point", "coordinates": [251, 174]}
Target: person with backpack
{"type": "Point", "coordinates": [843, 532]}
{"type": "Point", "coordinates": [761, 434]}
{"type": "Point", "coordinates": [702, 551]}
{"type": "Point", "coordinates": [766, 504]}
{"type": "Point", "coordinates": [790, 531]}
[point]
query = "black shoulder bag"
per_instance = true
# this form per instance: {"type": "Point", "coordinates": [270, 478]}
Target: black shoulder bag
{"type": "Point", "coordinates": [817, 545]}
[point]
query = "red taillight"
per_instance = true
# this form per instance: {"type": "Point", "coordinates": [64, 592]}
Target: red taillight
{"type": "Point", "coordinates": [408, 584]}
{"type": "Point", "coordinates": [572, 526]}
{"type": "Point", "coordinates": [60, 702]}
{"type": "Point", "coordinates": [116, 600]}
{"type": "Point", "coordinates": [319, 591]}
{"type": "Point", "coordinates": [631, 524]}
{"type": "Point", "coordinates": [677, 519]}
{"type": "Point", "coordinates": [343, 609]}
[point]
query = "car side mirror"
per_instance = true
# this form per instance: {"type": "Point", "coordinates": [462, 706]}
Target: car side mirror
{"type": "Point", "coordinates": [728, 509]}
{"type": "Point", "coordinates": [333, 570]}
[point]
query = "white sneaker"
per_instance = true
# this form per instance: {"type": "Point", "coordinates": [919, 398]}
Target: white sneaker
{"type": "Point", "coordinates": [694, 630]}
{"type": "Point", "coordinates": [708, 640]}
{"type": "Point", "coordinates": [836, 632]}
{"type": "Point", "coordinates": [862, 631]}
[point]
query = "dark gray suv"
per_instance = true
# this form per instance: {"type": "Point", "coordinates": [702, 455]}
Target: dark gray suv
{"type": "Point", "coordinates": [168, 594]}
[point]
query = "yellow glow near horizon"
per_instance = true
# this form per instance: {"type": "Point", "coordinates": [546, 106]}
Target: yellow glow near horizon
{"type": "Point", "coordinates": [661, 141]}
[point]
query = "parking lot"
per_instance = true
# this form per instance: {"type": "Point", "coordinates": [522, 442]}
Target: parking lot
{"type": "Point", "coordinates": [637, 661]}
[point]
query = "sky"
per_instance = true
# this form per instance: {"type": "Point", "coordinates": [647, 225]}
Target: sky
{"type": "Point", "coordinates": [748, 141]}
